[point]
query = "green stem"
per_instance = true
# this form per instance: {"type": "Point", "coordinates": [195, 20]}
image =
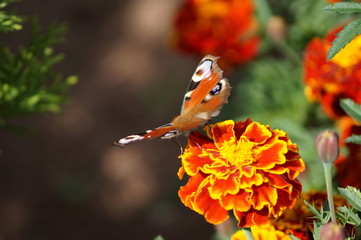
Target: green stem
{"type": "Point", "coordinates": [327, 167]}
{"type": "Point", "coordinates": [248, 233]}
{"type": "Point", "coordinates": [289, 53]}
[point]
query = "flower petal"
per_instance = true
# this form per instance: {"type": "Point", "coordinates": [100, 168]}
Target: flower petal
{"type": "Point", "coordinates": [252, 218]}
{"type": "Point", "coordinates": [192, 162]}
{"type": "Point", "coordinates": [222, 187]}
{"type": "Point", "coordinates": [198, 140]}
{"type": "Point", "coordinates": [257, 133]}
{"type": "Point", "coordinates": [210, 208]}
{"type": "Point", "coordinates": [270, 155]}
{"type": "Point", "coordinates": [263, 196]}
{"type": "Point", "coordinates": [187, 192]}
{"type": "Point", "coordinates": [248, 181]}
{"type": "Point", "coordinates": [241, 126]}
{"type": "Point", "coordinates": [239, 202]}
{"type": "Point", "coordinates": [221, 132]}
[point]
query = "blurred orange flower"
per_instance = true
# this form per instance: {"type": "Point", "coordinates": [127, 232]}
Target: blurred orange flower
{"type": "Point", "coordinates": [265, 232]}
{"type": "Point", "coordinates": [298, 220]}
{"type": "Point", "coordinates": [241, 166]}
{"type": "Point", "coordinates": [328, 82]}
{"type": "Point", "coordinates": [225, 28]}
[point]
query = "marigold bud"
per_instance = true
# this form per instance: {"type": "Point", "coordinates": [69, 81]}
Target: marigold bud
{"type": "Point", "coordinates": [276, 29]}
{"type": "Point", "coordinates": [332, 231]}
{"type": "Point", "coordinates": [327, 146]}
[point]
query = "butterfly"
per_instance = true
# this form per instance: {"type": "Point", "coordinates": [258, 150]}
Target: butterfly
{"type": "Point", "coordinates": [207, 92]}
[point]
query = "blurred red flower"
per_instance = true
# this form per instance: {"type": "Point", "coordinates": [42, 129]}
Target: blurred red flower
{"type": "Point", "coordinates": [348, 165]}
{"type": "Point", "coordinates": [241, 166]}
{"type": "Point", "coordinates": [328, 82]}
{"type": "Point", "coordinates": [225, 28]}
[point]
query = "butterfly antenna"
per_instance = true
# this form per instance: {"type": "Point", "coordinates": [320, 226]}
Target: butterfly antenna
{"type": "Point", "coordinates": [176, 141]}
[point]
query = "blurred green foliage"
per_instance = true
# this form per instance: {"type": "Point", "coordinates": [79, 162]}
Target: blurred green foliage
{"type": "Point", "coordinates": [28, 81]}
{"type": "Point", "coordinates": [9, 22]}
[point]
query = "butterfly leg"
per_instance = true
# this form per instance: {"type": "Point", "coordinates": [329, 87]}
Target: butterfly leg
{"type": "Point", "coordinates": [176, 141]}
{"type": "Point", "coordinates": [195, 142]}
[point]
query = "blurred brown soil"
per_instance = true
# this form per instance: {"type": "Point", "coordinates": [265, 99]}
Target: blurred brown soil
{"type": "Point", "coordinates": [66, 181]}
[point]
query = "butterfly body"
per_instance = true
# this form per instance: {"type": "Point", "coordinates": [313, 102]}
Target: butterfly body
{"type": "Point", "coordinates": [206, 94]}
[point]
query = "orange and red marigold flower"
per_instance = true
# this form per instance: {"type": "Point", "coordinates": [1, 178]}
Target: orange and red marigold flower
{"type": "Point", "coordinates": [225, 28]}
{"type": "Point", "coordinates": [242, 166]}
{"type": "Point", "coordinates": [328, 82]}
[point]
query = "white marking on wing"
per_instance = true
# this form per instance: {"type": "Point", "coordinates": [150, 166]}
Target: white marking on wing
{"type": "Point", "coordinates": [205, 67]}
{"type": "Point", "coordinates": [188, 94]}
{"type": "Point", "coordinates": [171, 134]}
{"type": "Point", "coordinates": [223, 83]}
{"type": "Point", "coordinates": [130, 139]}
{"type": "Point", "coordinates": [208, 97]}
{"type": "Point", "coordinates": [203, 115]}
{"type": "Point", "coordinates": [216, 113]}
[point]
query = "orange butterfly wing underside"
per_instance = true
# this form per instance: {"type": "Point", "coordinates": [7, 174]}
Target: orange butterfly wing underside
{"type": "Point", "coordinates": [206, 94]}
{"type": "Point", "coordinates": [199, 93]}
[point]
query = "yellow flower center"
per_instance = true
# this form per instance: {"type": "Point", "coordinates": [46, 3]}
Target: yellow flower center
{"type": "Point", "coordinates": [237, 154]}
{"type": "Point", "coordinates": [350, 55]}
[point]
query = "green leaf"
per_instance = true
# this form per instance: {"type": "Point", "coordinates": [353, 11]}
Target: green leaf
{"type": "Point", "coordinates": [72, 80]}
{"type": "Point", "coordinates": [220, 236]}
{"type": "Point", "coordinates": [264, 12]}
{"type": "Point", "coordinates": [351, 216]}
{"type": "Point", "coordinates": [352, 195]}
{"type": "Point", "coordinates": [159, 237]}
{"type": "Point", "coordinates": [351, 108]}
{"type": "Point", "coordinates": [316, 230]}
{"type": "Point", "coordinates": [353, 139]}
{"type": "Point", "coordinates": [314, 210]}
{"type": "Point", "coordinates": [343, 7]}
{"type": "Point", "coordinates": [349, 32]}
{"type": "Point", "coordinates": [293, 237]}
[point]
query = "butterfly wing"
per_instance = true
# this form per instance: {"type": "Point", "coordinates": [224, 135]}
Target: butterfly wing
{"type": "Point", "coordinates": [206, 94]}
{"type": "Point", "coordinates": [165, 132]}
